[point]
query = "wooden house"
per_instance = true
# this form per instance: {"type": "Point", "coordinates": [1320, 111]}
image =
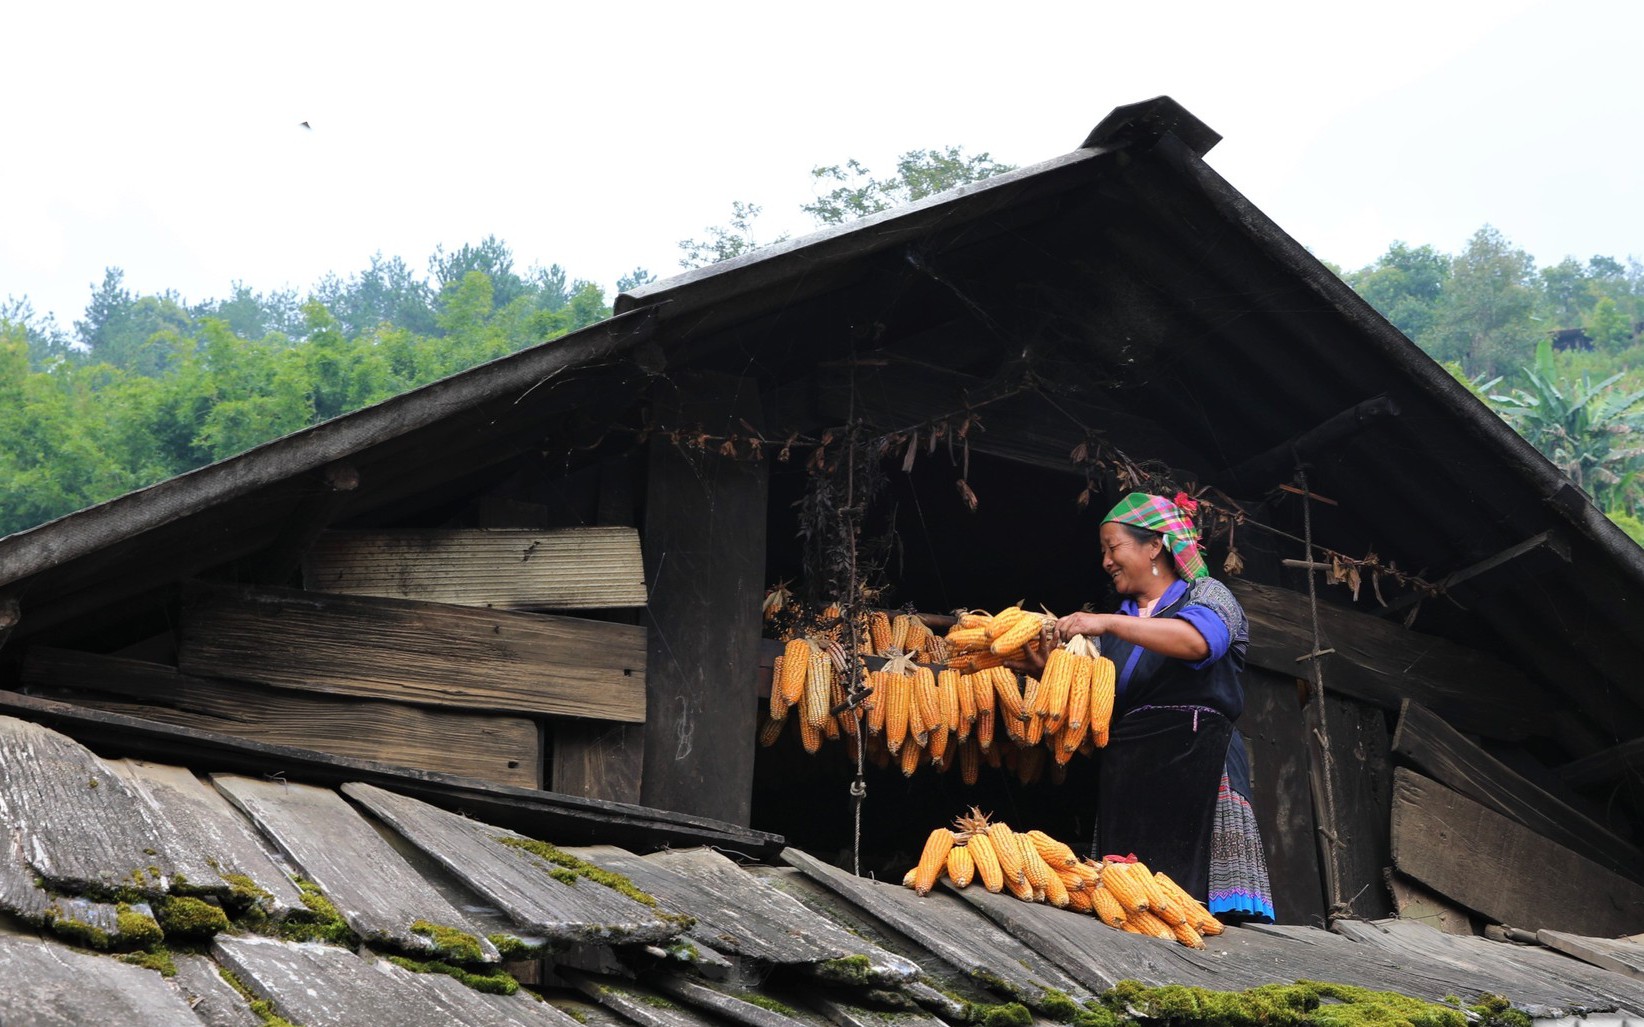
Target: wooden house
{"type": "Point", "coordinates": [533, 592]}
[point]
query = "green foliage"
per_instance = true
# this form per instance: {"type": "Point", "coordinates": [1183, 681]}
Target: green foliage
{"type": "Point", "coordinates": [725, 242]}
{"type": "Point", "coordinates": [856, 193]}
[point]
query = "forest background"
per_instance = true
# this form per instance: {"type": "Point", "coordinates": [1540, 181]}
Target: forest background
{"type": "Point", "coordinates": [145, 387]}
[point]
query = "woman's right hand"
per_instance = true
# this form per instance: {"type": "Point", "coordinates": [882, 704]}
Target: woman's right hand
{"type": "Point", "coordinates": [1081, 624]}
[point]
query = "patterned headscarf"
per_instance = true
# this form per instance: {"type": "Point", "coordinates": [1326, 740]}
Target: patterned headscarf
{"type": "Point", "coordinates": [1170, 519]}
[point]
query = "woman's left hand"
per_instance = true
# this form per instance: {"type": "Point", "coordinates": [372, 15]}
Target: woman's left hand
{"type": "Point", "coordinates": [1082, 624]}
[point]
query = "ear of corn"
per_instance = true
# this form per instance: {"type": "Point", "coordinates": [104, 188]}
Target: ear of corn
{"type": "Point", "coordinates": [965, 693]}
{"type": "Point", "coordinates": [1003, 620]}
{"type": "Point", "coordinates": [1187, 935]}
{"type": "Point", "coordinates": [770, 731]}
{"type": "Point", "coordinates": [910, 756]}
{"type": "Point", "coordinates": [818, 688]}
{"type": "Point", "coordinates": [1033, 865]}
{"type": "Point", "coordinates": [963, 640]}
{"type": "Point", "coordinates": [796, 663]}
{"type": "Point", "coordinates": [933, 860]}
{"type": "Point", "coordinates": [1101, 699]}
{"type": "Point", "coordinates": [779, 700]}
{"type": "Point", "coordinates": [1107, 908]}
{"type": "Point", "coordinates": [1150, 924]}
{"type": "Point", "coordinates": [1056, 892]}
{"type": "Point", "coordinates": [1006, 848]}
{"type": "Point", "coordinates": [910, 877]}
{"type": "Point", "coordinates": [879, 630]}
{"type": "Point", "coordinates": [1079, 901]}
{"type": "Point", "coordinates": [898, 700]}
{"type": "Point", "coordinates": [987, 862]}
{"type": "Point", "coordinates": [1130, 893]}
{"type": "Point", "coordinates": [899, 632]}
{"type": "Point", "coordinates": [1056, 854]}
{"type": "Point", "coordinates": [1078, 692]}
{"type": "Point", "coordinates": [970, 761]}
{"type": "Point", "coordinates": [925, 694]}
{"type": "Point", "coordinates": [938, 745]}
{"type": "Point", "coordinates": [1020, 631]}
{"type": "Point", "coordinates": [961, 868]}
{"type": "Point", "coordinates": [810, 736]}
{"type": "Point", "coordinates": [1007, 694]}
{"type": "Point", "coordinates": [947, 698]}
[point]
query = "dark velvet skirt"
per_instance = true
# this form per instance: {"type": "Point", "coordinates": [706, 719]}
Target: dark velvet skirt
{"type": "Point", "coordinates": [1156, 796]}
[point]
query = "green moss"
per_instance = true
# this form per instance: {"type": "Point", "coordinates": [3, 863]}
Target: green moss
{"type": "Point", "coordinates": [496, 983]}
{"type": "Point", "coordinates": [450, 943]}
{"type": "Point", "coordinates": [1056, 1005]}
{"type": "Point", "coordinates": [579, 1015]}
{"type": "Point", "coordinates": [509, 946]}
{"type": "Point", "coordinates": [138, 929]}
{"type": "Point", "coordinates": [322, 923]}
{"type": "Point", "coordinates": [766, 1002]}
{"type": "Point", "coordinates": [578, 868]}
{"type": "Point", "coordinates": [262, 1008]}
{"type": "Point", "coordinates": [157, 959]}
{"type": "Point", "coordinates": [1010, 1014]}
{"type": "Point", "coordinates": [92, 783]}
{"type": "Point", "coordinates": [1496, 1011]}
{"type": "Point", "coordinates": [186, 917]}
{"type": "Point", "coordinates": [1303, 1004]}
{"type": "Point", "coordinates": [74, 931]}
{"type": "Point", "coordinates": [855, 970]}
{"type": "Point", "coordinates": [563, 876]}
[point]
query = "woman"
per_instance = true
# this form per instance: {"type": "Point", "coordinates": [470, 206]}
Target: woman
{"type": "Point", "coordinates": [1174, 785]}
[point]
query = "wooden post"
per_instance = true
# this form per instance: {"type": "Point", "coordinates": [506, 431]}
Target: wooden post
{"type": "Point", "coordinates": [11, 614]}
{"type": "Point", "coordinates": [704, 541]}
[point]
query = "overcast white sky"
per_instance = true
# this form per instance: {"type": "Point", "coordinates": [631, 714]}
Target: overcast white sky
{"type": "Point", "coordinates": [163, 138]}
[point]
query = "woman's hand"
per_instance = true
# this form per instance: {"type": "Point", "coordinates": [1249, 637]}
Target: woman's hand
{"type": "Point", "coordinates": [1082, 624]}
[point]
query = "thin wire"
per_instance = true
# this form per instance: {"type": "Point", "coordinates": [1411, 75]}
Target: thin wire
{"type": "Point", "coordinates": [1332, 837]}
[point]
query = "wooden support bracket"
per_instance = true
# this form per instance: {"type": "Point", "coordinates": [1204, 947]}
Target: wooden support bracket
{"type": "Point", "coordinates": [1264, 470]}
{"type": "Point", "coordinates": [1605, 766]}
{"type": "Point", "coordinates": [1550, 542]}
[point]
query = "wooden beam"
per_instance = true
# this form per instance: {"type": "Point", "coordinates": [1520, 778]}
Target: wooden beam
{"type": "Point", "coordinates": [520, 569]}
{"type": "Point", "coordinates": [11, 613]}
{"type": "Point", "coordinates": [1489, 864]}
{"type": "Point", "coordinates": [1426, 742]}
{"type": "Point", "coordinates": [1551, 543]}
{"type": "Point", "coordinates": [1602, 767]}
{"type": "Point", "coordinates": [487, 747]}
{"type": "Point", "coordinates": [1384, 664]}
{"type": "Point", "coordinates": [564, 818]}
{"type": "Point", "coordinates": [334, 485]}
{"type": "Point", "coordinates": [1618, 956]}
{"type": "Point", "coordinates": [427, 653]}
{"type": "Point", "coordinates": [1261, 472]}
{"type": "Point", "coordinates": [705, 521]}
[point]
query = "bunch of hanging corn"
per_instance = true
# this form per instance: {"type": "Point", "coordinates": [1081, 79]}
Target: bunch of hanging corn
{"type": "Point", "coordinates": [1140, 901]}
{"type": "Point", "coordinates": [810, 677]}
{"type": "Point", "coordinates": [901, 634]}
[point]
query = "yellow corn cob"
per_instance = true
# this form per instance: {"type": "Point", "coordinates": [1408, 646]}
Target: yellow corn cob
{"type": "Point", "coordinates": [1150, 924]}
{"type": "Point", "coordinates": [879, 630]}
{"type": "Point", "coordinates": [1078, 693]}
{"type": "Point", "coordinates": [918, 730]}
{"type": "Point", "coordinates": [1021, 889]}
{"type": "Point", "coordinates": [1129, 891]}
{"type": "Point", "coordinates": [1157, 902]}
{"type": "Point", "coordinates": [1030, 765]}
{"type": "Point", "coordinates": [965, 694]}
{"type": "Point", "coordinates": [987, 862]}
{"type": "Point", "coordinates": [984, 733]}
{"type": "Point", "coordinates": [1033, 865]}
{"type": "Point", "coordinates": [1032, 731]}
{"type": "Point", "coordinates": [964, 640]}
{"type": "Point", "coordinates": [925, 694]}
{"type": "Point", "coordinates": [1187, 935]}
{"type": "Point", "coordinates": [796, 664]}
{"type": "Point", "coordinates": [1101, 699]}
{"type": "Point", "coordinates": [818, 688]}
{"type": "Point", "coordinates": [1079, 901]}
{"type": "Point", "coordinates": [1058, 855]}
{"type": "Point", "coordinates": [810, 736]}
{"type": "Point", "coordinates": [1106, 907]}
{"type": "Point", "coordinates": [961, 867]}
{"type": "Point", "coordinates": [1198, 917]}
{"type": "Point", "coordinates": [770, 731]}
{"type": "Point", "coordinates": [877, 701]}
{"type": "Point", "coordinates": [1127, 927]}
{"type": "Point", "coordinates": [981, 689]}
{"type": "Point", "coordinates": [909, 877]}
{"type": "Point", "coordinates": [899, 632]}
{"type": "Point", "coordinates": [898, 692]}
{"type": "Point", "coordinates": [947, 698]}
{"type": "Point", "coordinates": [1006, 848]}
{"type": "Point", "coordinates": [1003, 620]}
{"type": "Point", "coordinates": [1071, 880]}
{"type": "Point", "coordinates": [968, 619]}
{"type": "Point", "coordinates": [1007, 694]}
{"type": "Point", "coordinates": [970, 761]}
{"type": "Point", "coordinates": [779, 702]}
{"type": "Point", "coordinates": [910, 756]}
{"type": "Point", "coordinates": [933, 860]}
{"type": "Point", "coordinates": [993, 755]}
{"type": "Point", "coordinates": [1091, 872]}
{"type": "Point", "coordinates": [970, 663]}
{"type": "Point", "coordinates": [1056, 892]}
{"type": "Point", "coordinates": [1023, 630]}
{"type": "Point", "coordinates": [918, 637]}
{"type": "Point", "coordinates": [1069, 739]}
{"type": "Point", "coordinates": [937, 745]}
{"type": "Point", "coordinates": [1053, 699]}
{"type": "Point", "coordinates": [831, 729]}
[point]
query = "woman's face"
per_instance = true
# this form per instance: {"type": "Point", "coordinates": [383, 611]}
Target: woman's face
{"type": "Point", "coordinates": [1128, 562]}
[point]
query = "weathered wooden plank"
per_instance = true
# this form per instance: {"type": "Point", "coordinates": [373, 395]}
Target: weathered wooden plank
{"type": "Point", "coordinates": [1622, 957]}
{"type": "Point", "coordinates": [1362, 785]}
{"type": "Point", "coordinates": [845, 1014]}
{"type": "Point", "coordinates": [326, 986]}
{"type": "Point", "coordinates": [633, 1002]}
{"type": "Point", "coordinates": [1383, 664]}
{"type": "Point", "coordinates": [509, 569]}
{"type": "Point", "coordinates": [49, 985]}
{"type": "Point", "coordinates": [1413, 902]}
{"type": "Point", "coordinates": [523, 885]}
{"type": "Point", "coordinates": [213, 999]}
{"type": "Point", "coordinates": [1277, 744]}
{"type": "Point", "coordinates": [429, 653]}
{"type": "Point", "coordinates": [490, 747]}
{"type": "Point", "coordinates": [79, 825]}
{"type": "Point", "coordinates": [1478, 858]}
{"type": "Point", "coordinates": [74, 919]}
{"type": "Point", "coordinates": [952, 930]}
{"type": "Point", "coordinates": [1439, 751]}
{"type": "Point", "coordinates": [537, 813]}
{"type": "Point", "coordinates": [1605, 766]}
{"type": "Point", "coordinates": [705, 521]}
{"type": "Point", "coordinates": [1541, 982]}
{"type": "Point", "coordinates": [376, 891]}
{"type": "Point", "coordinates": [705, 997]}
{"type": "Point", "coordinates": [205, 839]}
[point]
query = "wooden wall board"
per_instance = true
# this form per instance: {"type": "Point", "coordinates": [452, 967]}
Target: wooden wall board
{"type": "Point", "coordinates": [1478, 858]}
{"type": "Point", "coordinates": [1382, 663]}
{"type": "Point", "coordinates": [507, 569]}
{"type": "Point", "coordinates": [1362, 787]}
{"type": "Point", "coordinates": [375, 890]}
{"type": "Point", "coordinates": [519, 883]}
{"type": "Point", "coordinates": [205, 837]}
{"type": "Point", "coordinates": [951, 930]}
{"type": "Point", "coordinates": [704, 531]}
{"type": "Point", "coordinates": [51, 985]}
{"type": "Point", "coordinates": [1276, 741]}
{"type": "Point", "coordinates": [1422, 905]}
{"type": "Point", "coordinates": [429, 653]}
{"type": "Point", "coordinates": [1617, 956]}
{"type": "Point", "coordinates": [1543, 983]}
{"type": "Point", "coordinates": [1424, 741]}
{"type": "Point", "coordinates": [328, 986]}
{"type": "Point", "coordinates": [490, 747]}
{"type": "Point", "coordinates": [79, 824]}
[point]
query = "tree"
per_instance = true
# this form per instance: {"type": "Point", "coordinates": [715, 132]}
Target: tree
{"type": "Point", "coordinates": [724, 243]}
{"type": "Point", "coordinates": [856, 193]}
{"type": "Point", "coordinates": [1406, 285]}
{"type": "Point", "coordinates": [491, 257]}
{"type": "Point", "coordinates": [1609, 327]}
{"type": "Point", "coordinates": [1485, 316]}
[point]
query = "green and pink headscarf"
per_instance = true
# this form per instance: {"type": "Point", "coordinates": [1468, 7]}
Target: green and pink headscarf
{"type": "Point", "coordinates": [1169, 518]}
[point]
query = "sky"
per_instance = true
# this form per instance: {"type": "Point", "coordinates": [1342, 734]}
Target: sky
{"type": "Point", "coordinates": [166, 138]}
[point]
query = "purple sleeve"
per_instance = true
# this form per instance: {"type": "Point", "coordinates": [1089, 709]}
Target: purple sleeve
{"type": "Point", "coordinates": [1209, 624]}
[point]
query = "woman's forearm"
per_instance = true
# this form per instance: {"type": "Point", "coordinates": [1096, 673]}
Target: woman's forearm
{"type": "Point", "coordinates": [1167, 636]}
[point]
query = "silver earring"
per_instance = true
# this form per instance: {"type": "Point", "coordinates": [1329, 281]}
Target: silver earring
{"type": "Point", "coordinates": [1155, 570]}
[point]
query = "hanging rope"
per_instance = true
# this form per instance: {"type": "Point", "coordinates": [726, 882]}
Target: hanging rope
{"type": "Point", "coordinates": [854, 691]}
{"type": "Point", "coordinates": [1315, 661]}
